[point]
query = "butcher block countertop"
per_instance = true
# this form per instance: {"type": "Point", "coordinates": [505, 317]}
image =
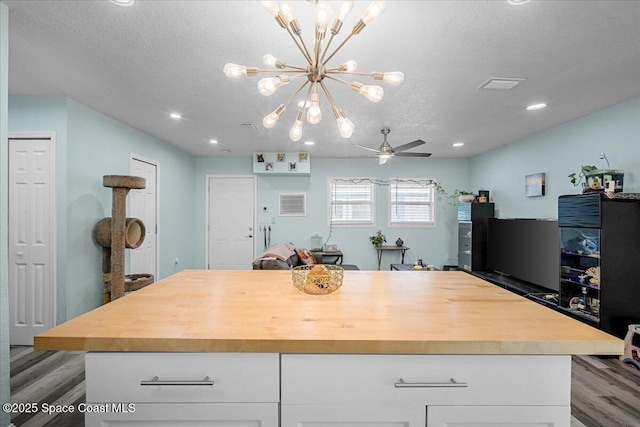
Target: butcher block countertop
{"type": "Point", "coordinates": [432, 312]}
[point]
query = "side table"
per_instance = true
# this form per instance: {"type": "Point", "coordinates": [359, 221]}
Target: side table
{"type": "Point", "coordinates": [381, 249]}
{"type": "Point", "coordinates": [334, 257]}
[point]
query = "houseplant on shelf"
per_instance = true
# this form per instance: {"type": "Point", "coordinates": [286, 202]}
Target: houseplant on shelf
{"type": "Point", "coordinates": [378, 239]}
{"type": "Point", "coordinates": [576, 179]}
{"type": "Point", "coordinates": [461, 196]}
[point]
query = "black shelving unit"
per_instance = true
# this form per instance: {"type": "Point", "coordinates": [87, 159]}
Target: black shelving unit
{"type": "Point", "coordinates": [472, 235]}
{"type": "Point", "coordinates": [599, 253]}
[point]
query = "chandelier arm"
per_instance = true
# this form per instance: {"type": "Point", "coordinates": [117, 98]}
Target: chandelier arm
{"type": "Point", "coordinates": [329, 97]}
{"type": "Point", "coordinates": [326, 48]}
{"type": "Point", "coordinates": [338, 48]}
{"type": "Point", "coordinates": [349, 73]}
{"type": "Point", "coordinates": [303, 50]}
{"type": "Point", "coordinates": [306, 100]}
{"type": "Point", "coordinates": [283, 71]}
{"type": "Point", "coordinates": [296, 93]}
{"type": "Point", "coordinates": [337, 79]}
{"type": "Point", "coordinates": [304, 46]}
{"type": "Point", "coordinates": [294, 67]}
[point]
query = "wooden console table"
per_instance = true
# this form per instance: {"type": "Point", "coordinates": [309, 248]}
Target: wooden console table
{"type": "Point", "coordinates": [380, 249]}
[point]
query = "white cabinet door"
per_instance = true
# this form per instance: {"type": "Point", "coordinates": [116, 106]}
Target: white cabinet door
{"type": "Point", "coordinates": [485, 416]}
{"type": "Point", "coordinates": [353, 415]}
{"type": "Point", "coordinates": [184, 414]}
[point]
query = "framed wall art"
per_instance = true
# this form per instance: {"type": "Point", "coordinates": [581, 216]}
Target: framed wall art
{"type": "Point", "coordinates": [534, 185]}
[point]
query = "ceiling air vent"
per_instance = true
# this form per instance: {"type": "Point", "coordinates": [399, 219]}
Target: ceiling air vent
{"type": "Point", "coordinates": [248, 126]}
{"type": "Point", "coordinates": [292, 204]}
{"type": "Point", "coordinates": [498, 83]}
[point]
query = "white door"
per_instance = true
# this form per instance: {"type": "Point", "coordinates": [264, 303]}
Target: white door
{"type": "Point", "coordinates": [143, 204]}
{"type": "Point", "coordinates": [32, 242]}
{"type": "Point", "coordinates": [231, 222]}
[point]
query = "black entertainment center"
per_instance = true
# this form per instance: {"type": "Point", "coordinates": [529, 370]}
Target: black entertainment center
{"type": "Point", "coordinates": [562, 263]}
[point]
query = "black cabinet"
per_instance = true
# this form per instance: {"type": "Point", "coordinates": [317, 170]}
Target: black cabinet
{"type": "Point", "coordinates": [472, 235]}
{"type": "Point", "coordinates": [599, 255]}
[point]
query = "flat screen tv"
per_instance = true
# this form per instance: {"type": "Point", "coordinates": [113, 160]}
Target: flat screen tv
{"type": "Point", "coordinates": [525, 249]}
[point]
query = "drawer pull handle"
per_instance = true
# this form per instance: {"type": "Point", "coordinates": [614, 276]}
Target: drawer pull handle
{"type": "Point", "coordinates": [452, 383]}
{"type": "Point", "coordinates": [156, 381]}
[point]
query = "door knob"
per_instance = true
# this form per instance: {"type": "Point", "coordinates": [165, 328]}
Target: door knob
{"type": "Point", "coordinates": [250, 235]}
{"type": "Point", "coordinates": [20, 254]}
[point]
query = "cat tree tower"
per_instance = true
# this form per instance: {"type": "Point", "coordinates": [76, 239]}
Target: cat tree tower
{"type": "Point", "coordinates": [115, 234]}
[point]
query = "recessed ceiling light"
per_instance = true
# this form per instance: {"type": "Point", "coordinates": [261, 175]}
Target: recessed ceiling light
{"type": "Point", "coordinates": [457, 144]}
{"type": "Point", "coordinates": [309, 143]}
{"type": "Point", "coordinates": [226, 151]}
{"type": "Point", "coordinates": [517, 2]}
{"type": "Point", "coordinates": [122, 2]}
{"type": "Point", "coordinates": [213, 141]}
{"type": "Point", "coordinates": [533, 107]}
{"type": "Point", "coordinates": [175, 116]}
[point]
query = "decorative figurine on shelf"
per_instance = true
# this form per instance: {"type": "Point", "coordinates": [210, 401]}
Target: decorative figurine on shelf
{"type": "Point", "coordinates": [399, 242]}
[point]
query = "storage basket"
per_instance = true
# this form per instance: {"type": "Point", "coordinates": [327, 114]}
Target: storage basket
{"type": "Point", "coordinates": [319, 279]}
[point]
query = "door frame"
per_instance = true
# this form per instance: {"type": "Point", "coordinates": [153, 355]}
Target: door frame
{"type": "Point", "coordinates": [132, 157]}
{"type": "Point", "coordinates": [51, 136]}
{"type": "Point", "coordinates": [206, 210]}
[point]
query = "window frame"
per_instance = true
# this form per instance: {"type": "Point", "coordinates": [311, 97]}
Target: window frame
{"type": "Point", "coordinates": [368, 181]}
{"type": "Point", "coordinates": [431, 204]}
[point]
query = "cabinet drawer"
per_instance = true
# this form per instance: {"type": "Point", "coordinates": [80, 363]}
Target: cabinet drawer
{"type": "Point", "coordinates": [236, 377]}
{"type": "Point", "coordinates": [376, 379]}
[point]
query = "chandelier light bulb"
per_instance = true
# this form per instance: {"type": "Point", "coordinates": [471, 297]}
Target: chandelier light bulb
{"type": "Point", "coordinates": [345, 8]}
{"type": "Point", "coordinates": [271, 7]}
{"type": "Point", "coordinates": [372, 93]}
{"type": "Point", "coordinates": [269, 85]}
{"type": "Point", "coordinates": [345, 127]}
{"type": "Point", "coordinates": [393, 77]}
{"type": "Point", "coordinates": [348, 66]}
{"type": "Point", "coordinates": [287, 12]}
{"type": "Point", "coordinates": [271, 119]}
{"type": "Point", "coordinates": [234, 71]}
{"type": "Point", "coordinates": [269, 60]}
{"type": "Point", "coordinates": [374, 10]}
{"type": "Point", "coordinates": [296, 131]}
{"type": "Point", "coordinates": [323, 16]}
{"type": "Point", "coordinates": [314, 114]}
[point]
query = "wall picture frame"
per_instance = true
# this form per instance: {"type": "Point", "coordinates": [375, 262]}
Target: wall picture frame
{"type": "Point", "coordinates": [534, 185]}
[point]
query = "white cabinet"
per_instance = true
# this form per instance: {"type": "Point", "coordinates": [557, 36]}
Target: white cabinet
{"type": "Point", "coordinates": [418, 390]}
{"type": "Point", "coordinates": [483, 416]}
{"type": "Point", "coordinates": [189, 415]}
{"type": "Point", "coordinates": [353, 415]}
{"type": "Point", "coordinates": [194, 389]}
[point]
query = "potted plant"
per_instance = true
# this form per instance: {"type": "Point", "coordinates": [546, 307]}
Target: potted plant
{"type": "Point", "coordinates": [576, 179]}
{"type": "Point", "coordinates": [378, 238]}
{"type": "Point", "coordinates": [463, 196]}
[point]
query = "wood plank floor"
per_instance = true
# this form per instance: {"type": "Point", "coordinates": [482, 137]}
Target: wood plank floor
{"type": "Point", "coordinates": [604, 391]}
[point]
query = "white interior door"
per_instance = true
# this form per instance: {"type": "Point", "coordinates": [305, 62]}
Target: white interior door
{"type": "Point", "coordinates": [231, 222]}
{"type": "Point", "coordinates": [143, 204]}
{"type": "Point", "coordinates": [32, 240]}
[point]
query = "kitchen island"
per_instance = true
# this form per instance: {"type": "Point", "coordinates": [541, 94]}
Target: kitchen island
{"type": "Point", "coordinates": [392, 348]}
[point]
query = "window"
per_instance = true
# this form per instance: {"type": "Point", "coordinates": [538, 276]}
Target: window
{"type": "Point", "coordinates": [351, 201]}
{"type": "Point", "coordinates": [411, 203]}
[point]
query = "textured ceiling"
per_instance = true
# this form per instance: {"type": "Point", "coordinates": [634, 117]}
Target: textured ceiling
{"type": "Point", "coordinates": [137, 64]}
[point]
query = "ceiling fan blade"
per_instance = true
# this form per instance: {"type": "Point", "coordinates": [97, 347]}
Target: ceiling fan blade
{"type": "Point", "coordinates": [409, 145]}
{"type": "Point", "coordinates": [413, 154]}
{"type": "Point", "coordinates": [382, 160]}
{"type": "Point", "coordinates": [367, 148]}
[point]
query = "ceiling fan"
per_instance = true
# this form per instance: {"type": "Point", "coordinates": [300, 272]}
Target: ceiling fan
{"type": "Point", "coordinates": [386, 150]}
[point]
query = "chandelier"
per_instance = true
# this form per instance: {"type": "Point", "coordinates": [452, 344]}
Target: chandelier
{"type": "Point", "coordinates": [315, 71]}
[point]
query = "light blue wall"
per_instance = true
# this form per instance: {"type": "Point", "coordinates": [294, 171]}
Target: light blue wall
{"type": "Point", "coordinates": [430, 244]}
{"type": "Point", "coordinates": [4, 208]}
{"type": "Point", "coordinates": [91, 145]}
{"type": "Point", "coordinates": [558, 152]}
